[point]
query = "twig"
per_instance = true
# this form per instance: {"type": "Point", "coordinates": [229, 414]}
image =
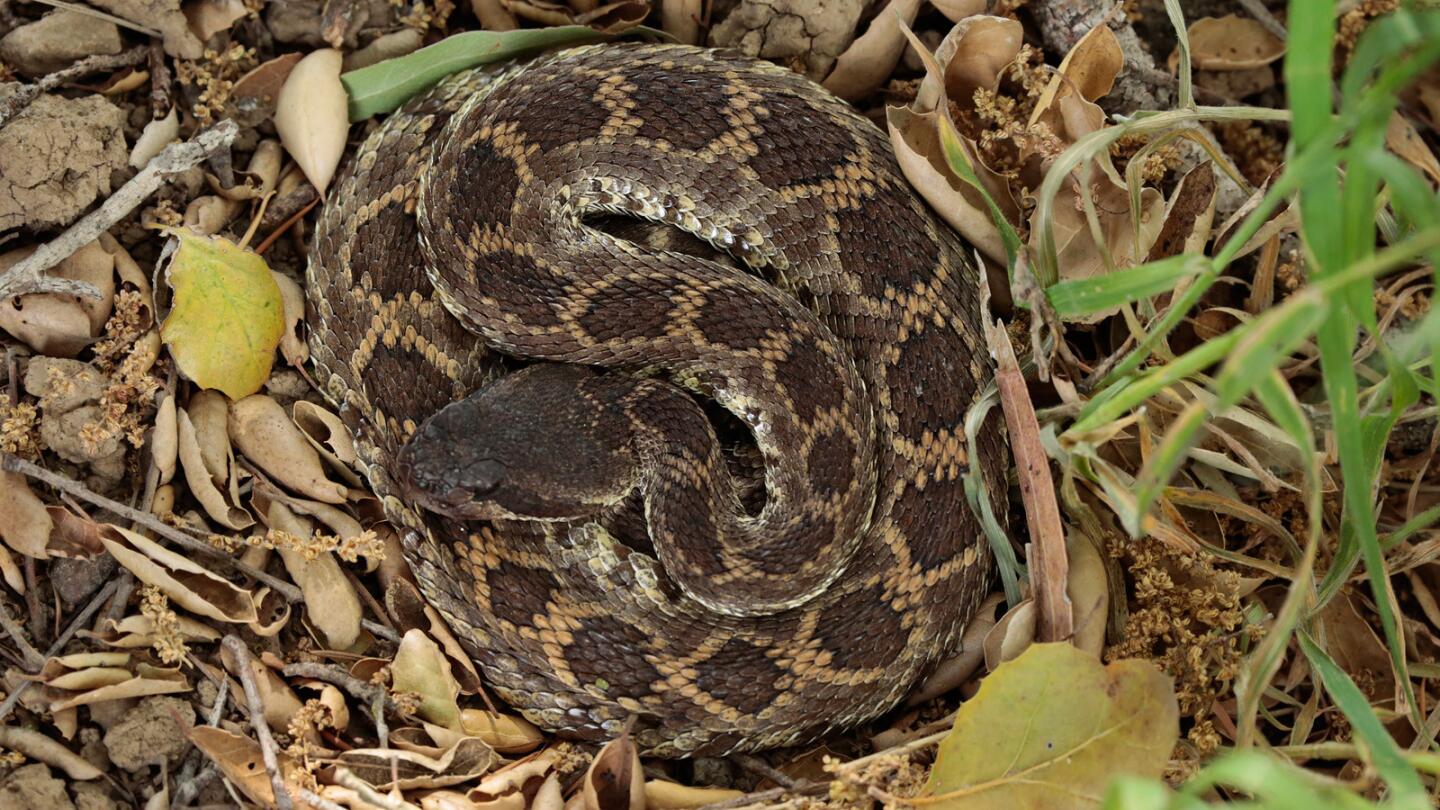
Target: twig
{"type": "Point", "coordinates": [360, 690]}
{"type": "Point", "coordinates": [316, 800]}
{"type": "Point", "coordinates": [26, 275]}
{"type": "Point", "coordinates": [1049, 565]}
{"type": "Point", "coordinates": [75, 624]}
{"type": "Point", "coordinates": [18, 100]}
{"type": "Point", "coordinates": [12, 463]}
{"type": "Point", "coordinates": [760, 767]}
{"type": "Point", "coordinates": [255, 709]}
{"type": "Point", "coordinates": [33, 659]}
{"type": "Point", "coordinates": [764, 796]}
{"type": "Point", "coordinates": [285, 226]}
{"type": "Point", "coordinates": [1262, 15]}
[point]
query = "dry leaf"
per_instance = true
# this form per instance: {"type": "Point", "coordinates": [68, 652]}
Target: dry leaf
{"type": "Point", "coordinates": [1232, 43]}
{"type": "Point", "coordinates": [148, 680]}
{"type": "Point", "coordinates": [267, 437]}
{"type": "Point", "coordinates": [957, 10]}
{"type": "Point", "coordinates": [312, 117]}
{"type": "Point", "coordinates": [74, 535]}
{"type": "Point", "coordinates": [188, 584]}
{"type": "Point", "coordinates": [421, 668]}
{"type": "Point", "coordinates": [505, 733]}
{"type": "Point", "coordinates": [468, 759]}
{"type": "Point", "coordinates": [58, 325]}
{"type": "Point", "coordinates": [227, 316]}
{"type": "Point", "coordinates": [1402, 139]}
{"type": "Point", "coordinates": [258, 91]}
{"type": "Point", "coordinates": [202, 486]}
{"type": "Point", "coordinates": [615, 780]}
{"type": "Point", "coordinates": [1012, 634]}
{"type": "Point", "coordinates": [240, 760]}
{"type": "Point", "coordinates": [292, 346]}
{"type": "Point", "coordinates": [1089, 590]}
{"type": "Point", "coordinates": [331, 603]}
{"type": "Point", "coordinates": [871, 58]}
{"type": "Point", "coordinates": [671, 796]}
{"type": "Point", "coordinates": [681, 19]}
{"type": "Point", "coordinates": [24, 524]}
{"type": "Point", "coordinates": [165, 440]}
{"type": "Point", "coordinates": [157, 134]}
{"type": "Point", "coordinates": [209, 17]}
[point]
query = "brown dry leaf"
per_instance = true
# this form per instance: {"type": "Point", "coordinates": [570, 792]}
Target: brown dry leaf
{"type": "Point", "coordinates": [74, 535]}
{"type": "Point", "coordinates": [672, 796]}
{"type": "Point", "coordinates": [1189, 215]}
{"type": "Point", "coordinates": [209, 17]}
{"type": "Point", "coordinates": [311, 115]}
{"type": "Point", "coordinates": [209, 413]}
{"type": "Point", "coordinates": [157, 134]}
{"type": "Point", "coordinates": [1089, 591]}
{"type": "Point", "coordinates": [331, 604]}
{"type": "Point", "coordinates": [957, 10]}
{"type": "Point", "coordinates": [1402, 139]}
{"type": "Point", "coordinates": [1080, 256]}
{"type": "Point", "coordinates": [138, 631]}
{"type": "Point", "coordinates": [147, 680]}
{"type": "Point", "coordinates": [506, 733]}
{"type": "Point", "coordinates": [62, 325]}
{"type": "Point", "coordinates": [292, 346]}
{"type": "Point", "coordinates": [10, 572]}
{"type": "Point", "coordinates": [971, 55]}
{"type": "Point", "coordinates": [240, 760]}
{"type": "Point", "coordinates": [1011, 635]}
{"type": "Point", "coordinates": [188, 584]}
{"type": "Point", "coordinates": [202, 485]}
{"type": "Point", "coordinates": [274, 613]}
{"type": "Point", "coordinates": [467, 675]}
{"type": "Point", "coordinates": [421, 668]}
{"type": "Point", "coordinates": [331, 439]}
{"type": "Point", "coordinates": [615, 780]}
{"type": "Point", "coordinates": [258, 92]}
{"type": "Point", "coordinates": [1087, 73]}
{"type": "Point", "coordinates": [262, 431]}
{"type": "Point", "coordinates": [1232, 43]}
{"type": "Point", "coordinates": [469, 758]}
{"type": "Point", "coordinates": [1352, 642]}
{"type": "Point", "coordinates": [24, 523]}
{"type": "Point", "coordinates": [871, 58]}
{"type": "Point", "coordinates": [83, 680]}
{"type": "Point", "coordinates": [165, 439]}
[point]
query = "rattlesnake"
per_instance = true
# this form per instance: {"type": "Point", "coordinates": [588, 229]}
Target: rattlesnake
{"type": "Point", "coordinates": [800, 580]}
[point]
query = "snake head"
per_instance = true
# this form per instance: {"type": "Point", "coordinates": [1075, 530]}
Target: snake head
{"type": "Point", "coordinates": [544, 443]}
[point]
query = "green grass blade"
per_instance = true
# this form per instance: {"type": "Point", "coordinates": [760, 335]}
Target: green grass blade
{"type": "Point", "coordinates": [384, 86]}
{"type": "Point", "coordinates": [1098, 293]}
{"type": "Point", "coordinates": [1370, 734]}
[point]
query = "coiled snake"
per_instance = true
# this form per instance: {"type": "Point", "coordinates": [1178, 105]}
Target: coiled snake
{"type": "Point", "coordinates": [608, 549]}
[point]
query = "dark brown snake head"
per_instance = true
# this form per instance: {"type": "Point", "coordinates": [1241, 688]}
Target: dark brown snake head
{"type": "Point", "coordinates": [545, 443]}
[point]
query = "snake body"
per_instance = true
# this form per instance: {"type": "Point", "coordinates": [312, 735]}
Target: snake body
{"type": "Point", "coordinates": [700, 226]}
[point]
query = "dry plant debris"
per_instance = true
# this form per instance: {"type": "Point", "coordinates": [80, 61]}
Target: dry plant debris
{"type": "Point", "coordinates": [201, 603]}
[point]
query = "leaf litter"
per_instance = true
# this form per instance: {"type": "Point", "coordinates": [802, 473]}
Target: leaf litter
{"type": "Point", "coordinates": [198, 489]}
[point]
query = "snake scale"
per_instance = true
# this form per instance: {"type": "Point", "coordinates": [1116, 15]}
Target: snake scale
{"type": "Point", "coordinates": [722, 498]}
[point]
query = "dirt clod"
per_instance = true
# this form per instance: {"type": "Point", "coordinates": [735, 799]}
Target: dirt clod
{"type": "Point", "coordinates": [32, 787]}
{"type": "Point", "coordinates": [56, 158]}
{"type": "Point", "coordinates": [156, 729]}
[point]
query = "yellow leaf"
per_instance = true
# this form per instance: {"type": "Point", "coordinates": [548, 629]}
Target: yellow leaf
{"type": "Point", "coordinates": [228, 315]}
{"type": "Point", "coordinates": [1050, 729]}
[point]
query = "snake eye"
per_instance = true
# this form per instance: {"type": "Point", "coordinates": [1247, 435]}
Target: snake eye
{"type": "Point", "coordinates": [484, 476]}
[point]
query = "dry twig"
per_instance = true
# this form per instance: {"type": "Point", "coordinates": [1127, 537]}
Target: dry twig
{"type": "Point", "coordinates": [255, 710]}
{"type": "Point", "coordinates": [75, 624]}
{"type": "Point", "coordinates": [11, 105]}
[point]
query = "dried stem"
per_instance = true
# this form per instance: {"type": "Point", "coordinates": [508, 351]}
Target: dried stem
{"type": "Point", "coordinates": [18, 100]}
{"type": "Point", "coordinates": [255, 709]}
